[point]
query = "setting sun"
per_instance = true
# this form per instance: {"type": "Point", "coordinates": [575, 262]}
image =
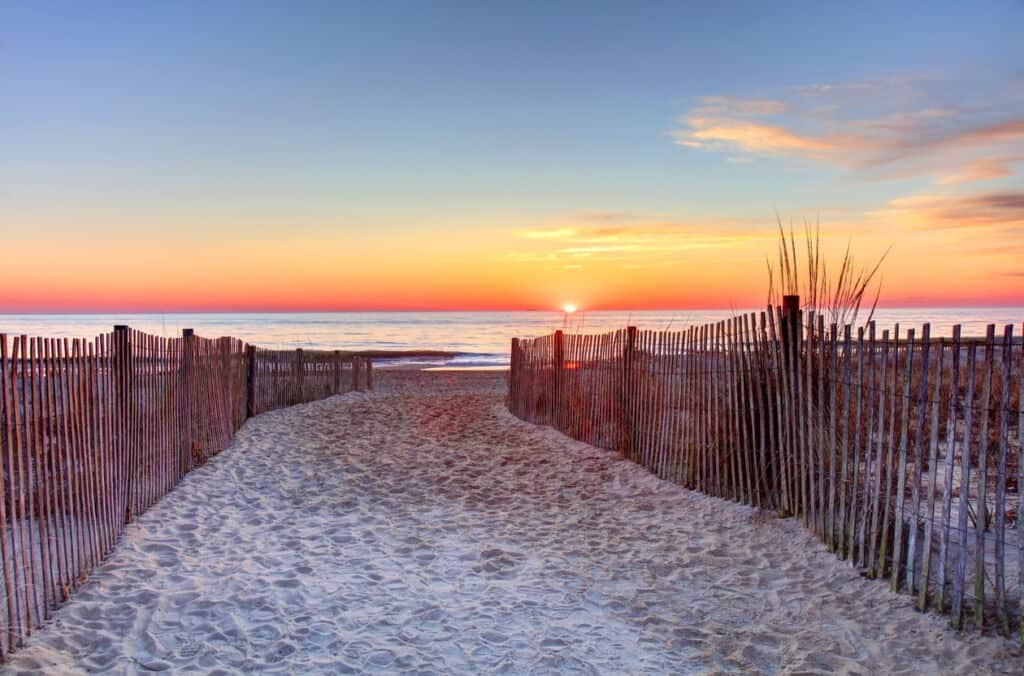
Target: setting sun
{"type": "Point", "coordinates": [569, 308]}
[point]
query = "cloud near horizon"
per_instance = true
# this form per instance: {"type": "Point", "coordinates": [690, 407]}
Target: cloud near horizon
{"type": "Point", "coordinates": [633, 238]}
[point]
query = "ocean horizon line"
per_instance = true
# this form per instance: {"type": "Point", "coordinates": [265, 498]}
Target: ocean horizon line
{"type": "Point", "coordinates": [552, 310]}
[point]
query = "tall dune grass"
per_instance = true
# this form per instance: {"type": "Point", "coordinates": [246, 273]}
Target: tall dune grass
{"type": "Point", "coordinates": [839, 296]}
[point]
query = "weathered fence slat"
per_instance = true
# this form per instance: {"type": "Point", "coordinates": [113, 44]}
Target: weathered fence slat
{"type": "Point", "coordinates": [1020, 497]}
{"type": "Point", "coordinates": [840, 544]}
{"type": "Point", "coordinates": [917, 451]}
{"type": "Point", "coordinates": [878, 457]}
{"type": "Point", "coordinates": [818, 436]}
{"type": "Point", "coordinates": [933, 461]}
{"type": "Point", "coordinates": [959, 573]}
{"type": "Point", "coordinates": [1003, 441]}
{"type": "Point", "coordinates": [778, 388]}
{"type": "Point", "coordinates": [889, 455]}
{"type": "Point", "coordinates": [856, 475]}
{"type": "Point", "coordinates": [833, 386]}
{"type": "Point", "coordinates": [901, 465]}
{"type": "Point", "coordinates": [981, 511]}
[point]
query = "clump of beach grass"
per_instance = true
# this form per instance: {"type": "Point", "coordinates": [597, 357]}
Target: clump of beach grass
{"type": "Point", "coordinates": [841, 296]}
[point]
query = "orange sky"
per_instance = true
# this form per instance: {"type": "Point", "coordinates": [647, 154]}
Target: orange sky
{"type": "Point", "coordinates": [595, 261]}
{"type": "Point", "coordinates": [327, 159]}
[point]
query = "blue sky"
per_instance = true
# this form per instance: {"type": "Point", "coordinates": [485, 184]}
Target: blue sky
{"type": "Point", "coordinates": [409, 118]}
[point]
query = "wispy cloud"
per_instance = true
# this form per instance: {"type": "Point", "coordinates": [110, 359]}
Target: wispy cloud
{"type": "Point", "coordinates": [630, 240]}
{"type": "Point", "coordinates": [714, 133]}
{"type": "Point", "coordinates": [907, 126]}
{"type": "Point", "coordinates": [996, 209]}
{"type": "Point", "coordinates": [983, 170]}
{"type": "Point", "coordinates": [556, 233]}
{"type": "Point", "coordinates": [654, 245]}
{"type": "Point", "coordinates": [588, 224]}
{"type": "Point", "coordinates": [605, 216]}
{"type": "Point", "coordinates": [729, 106]}
{"type": "Point", "coordinates": [721, 123]}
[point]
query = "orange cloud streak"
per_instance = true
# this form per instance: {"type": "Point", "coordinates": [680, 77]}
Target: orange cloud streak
{"type": "Point", "coordinates": [634, 264]}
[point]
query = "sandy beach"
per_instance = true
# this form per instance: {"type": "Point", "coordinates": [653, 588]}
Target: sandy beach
{"type": "Point", "coordinates": [423, 529]}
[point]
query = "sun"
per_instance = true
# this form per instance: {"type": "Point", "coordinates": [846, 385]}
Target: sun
{"type": "Point", "coordinates": [569, 308]}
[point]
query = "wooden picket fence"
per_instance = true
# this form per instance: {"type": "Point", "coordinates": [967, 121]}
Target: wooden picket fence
{"type": "Point", "coordinates": [287, 377]}
{"type": "Point", "coordinates": [94, 432]}
{"type": "Point", "coordinates": [902, 452]}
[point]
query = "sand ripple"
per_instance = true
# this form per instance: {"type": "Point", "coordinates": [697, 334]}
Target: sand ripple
{"type": "Point", "coordinates": [423, 529]}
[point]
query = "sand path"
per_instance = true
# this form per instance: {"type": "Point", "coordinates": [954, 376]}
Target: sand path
{"type": "Point", "coordinates": [422, 528]}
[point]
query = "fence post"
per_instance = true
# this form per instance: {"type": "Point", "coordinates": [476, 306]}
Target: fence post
{"type": "Point", "coordinates": [790, 324]}
{"type": "Point", "coordinates": [355, 373]}
{"type": "Point", "coordinates": [187, 390]}
{"type": "Point", "coordinates": [513, 375]}
{"type": "Point", "coordinates": [791, 334]}
{"type": "Point", "coordinates": [337, 371]}
{"type": "Point", "coordinates": [250, 381]}
{"type": "Point", "coordinates": [558, 405]}
{"type": "Point", "coordinates": [369, 373]}
{"type": "Point", "coordinates": [122, 373]}
{"type": "Point", "coordinates": [790, 328]}
{"type": "Point", "coordinates": [627, 399]}
{"type": "Point", "coordinates": [300, 374]}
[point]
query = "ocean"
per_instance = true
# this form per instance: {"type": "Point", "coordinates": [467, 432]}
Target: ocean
{"type": "Point", "coordinates": [481, 338]}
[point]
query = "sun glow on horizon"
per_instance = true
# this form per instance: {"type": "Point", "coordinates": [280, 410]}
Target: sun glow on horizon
{"type": "Point", "coordinates": [569, 308]}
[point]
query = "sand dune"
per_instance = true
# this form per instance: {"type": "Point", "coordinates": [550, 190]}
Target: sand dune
{"type": "Point", "coordinates": [423, 528]}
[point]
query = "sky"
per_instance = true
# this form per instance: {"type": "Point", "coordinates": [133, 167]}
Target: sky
{"type": "Point", "coordinates": [186, 156]}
